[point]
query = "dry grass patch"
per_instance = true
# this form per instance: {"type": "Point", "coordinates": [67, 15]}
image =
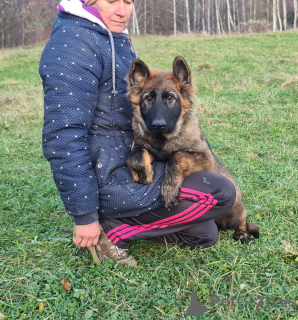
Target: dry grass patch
{"type": "Point", "coordinates": [289, 248]}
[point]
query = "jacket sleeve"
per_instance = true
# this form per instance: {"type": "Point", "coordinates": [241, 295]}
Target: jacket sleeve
{"type": "Point", "coordinates": [70, 69]}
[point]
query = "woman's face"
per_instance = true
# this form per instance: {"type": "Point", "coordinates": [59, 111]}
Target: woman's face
{"type": "Point", "coordinates": [115, 14]}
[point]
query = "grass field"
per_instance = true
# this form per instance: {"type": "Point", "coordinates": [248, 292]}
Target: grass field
{"type": "Point", "coordinates": [247, 92]}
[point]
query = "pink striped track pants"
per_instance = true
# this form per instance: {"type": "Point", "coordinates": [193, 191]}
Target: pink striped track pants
{"type": "Point", "coordinates": [204, 196]}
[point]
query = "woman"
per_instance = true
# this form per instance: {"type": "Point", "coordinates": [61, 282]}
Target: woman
{"type": "Point", "coordinates": [87, 138]}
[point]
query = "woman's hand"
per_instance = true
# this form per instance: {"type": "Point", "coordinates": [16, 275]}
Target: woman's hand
{"type": "Point", "coordinates": [87, 235]}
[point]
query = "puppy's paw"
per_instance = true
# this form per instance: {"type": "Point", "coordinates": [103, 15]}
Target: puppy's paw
{"type": "Point", "coordinates": [142, 176]}
{"type": "Point", "coordinates": [243, 236]}
{"type": "Point", "coordinates": [140, 167]}
{"type": "Point", "coordinates": [170, 196]}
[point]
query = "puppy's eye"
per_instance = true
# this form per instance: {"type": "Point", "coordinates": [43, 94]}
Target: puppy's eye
{"type": "Point", "coordinates": [149, 98]}
{"type": "Point", "coordinates": [170, 97]}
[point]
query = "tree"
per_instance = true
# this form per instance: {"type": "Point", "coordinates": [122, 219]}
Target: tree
{"type": "Point", "coordinates": [8, 21]}
{"type": "Point", "coordinates": [145, 19]}
{"type": "Point", "coordinates": [295, 13]}
{"type": "Point", "coordinates": [208, 16]}
{"type": "Point", "coordinates": [274, 14]}
{"type": "Point", "coordinates": [243, 11]}
{"type": "Point", "coordinates": [234, 11]}
{"type": "Point", "coordinates": [284, 14]}
{"type": "Point", "coordinates": [152, 15]}
{"type": "Point", "coordinates": [229, 17]}
{"type": "Point", "coordinates": [33, 21]}
{"type": "Point", "coordinates": [174, 13]}
{"type": "Point", "coordinates": [217, 17]}
{"type": "Point", "coordinates": [278, 15]}
{"type": "Point", "coordinates": [268, 11]}
{"type": "Point", "coordinates": [187, 16]}
{"type": "Point", "coordinates": [135, 25]}
{"type": "Point", "coordinates": [194, 15]}
{"type": "Point", "coordinates": [203, 15]}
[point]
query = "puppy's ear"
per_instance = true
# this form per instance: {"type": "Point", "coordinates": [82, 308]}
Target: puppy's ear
{"type": "Point", "coordinates": [181, 70]}
{"type": "Point", "coordinates": [138, 72]}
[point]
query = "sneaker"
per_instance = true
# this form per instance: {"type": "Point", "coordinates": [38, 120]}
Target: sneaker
{"type": "Point", "coordinates": [105, 249]}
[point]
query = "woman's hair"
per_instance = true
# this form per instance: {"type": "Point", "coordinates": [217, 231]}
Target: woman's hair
{"type": "Point", "coordinates": [91, 2]}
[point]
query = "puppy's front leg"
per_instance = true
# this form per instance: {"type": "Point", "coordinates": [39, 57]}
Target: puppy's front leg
{"type": "Point", "coordinates": [139, 164]}
{"type": "Point", "coordinates": [180, 165]}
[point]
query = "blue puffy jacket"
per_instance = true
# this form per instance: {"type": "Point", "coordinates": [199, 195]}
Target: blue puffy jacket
{"type": "Point", "coordinates": [87, 134]}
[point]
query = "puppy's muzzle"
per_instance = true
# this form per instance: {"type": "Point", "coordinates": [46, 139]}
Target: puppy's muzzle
{"type": "Point", "coordinates": [159, 125]}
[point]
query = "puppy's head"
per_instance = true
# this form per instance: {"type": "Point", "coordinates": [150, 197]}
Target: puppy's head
{"type": "Point", "coordinates": [161, 100]}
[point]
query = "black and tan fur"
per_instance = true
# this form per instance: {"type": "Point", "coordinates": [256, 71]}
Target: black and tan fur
{"type": "Point", "coordinates": [178, 140]}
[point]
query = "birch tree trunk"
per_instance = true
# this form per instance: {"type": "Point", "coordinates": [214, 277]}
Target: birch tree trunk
{"type": "Point", "coordinates": [145, 18]}
{"type": "Point", "coordinates": [136, 20]}
{"type": "Point", "coordinates": [222, 28]}
{"type": "Point", "coordinates": [295, 14]}
{"type": "Point", "coordinates": [255, 10]}
{"type": "Point", "coordinates": [174, 12]}
{"type": "Point", "coordinates": [229, 17]}
{"type": "Point", "coordinates": [203, 15]}
{"type": "Point", "coordinates": [278, 15]}
{"type": "Point", "coordinates": [250, 9]}
{"type": "Point", "coordinates": [198, 15]}
{"type": "Point", "coordinates": [285, 14]}
{"type": "Point", "coordinates": [217, 17]}
{"type": "Point", "coordinates": [243, 10]}
{"type": "Point", "coordinates": [234, 12]}
{"type": "Point", "coordinates": [22, 15]}
{"type": "Point", "coordinates": [238, 18]}
{"type": "Point", "coordinates": [23, 32]}
{"type": "Point", "coordinates": [187, 16]}
{"type": "Point", "coordinates": [152, 16]}
{"type": "Point", "coordinates": [195, 16]}
{"type": "Point", "coordinates": [133, 21]}
{"type": "Point", "coordinates": [213, 16]}
{"type": "Point", "coordinates": [208, 17]}
{"type": "Point", "coordinates": [274, 16]}
{"type": "Point", "coordinates": [222, 14]}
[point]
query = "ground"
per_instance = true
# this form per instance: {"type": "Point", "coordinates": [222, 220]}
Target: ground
{"type": "Point", "coordinates": [247, 106]}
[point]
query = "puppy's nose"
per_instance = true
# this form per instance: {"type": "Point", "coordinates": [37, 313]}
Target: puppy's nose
{"type": "Point", "coordinates": [158, 128]}
{"type": "Point", "coordinates": [159, 125]}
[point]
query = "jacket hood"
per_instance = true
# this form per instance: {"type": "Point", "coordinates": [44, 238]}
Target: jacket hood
{"type": "Point", "coordinates": [80, 9]}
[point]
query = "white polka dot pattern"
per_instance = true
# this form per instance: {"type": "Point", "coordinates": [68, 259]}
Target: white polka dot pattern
{"type": "Point", "coordinates": [87, 133]}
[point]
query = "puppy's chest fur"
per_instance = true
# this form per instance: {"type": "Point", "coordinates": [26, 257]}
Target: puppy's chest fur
{"type": "Point", "coordinates": [162, 147]}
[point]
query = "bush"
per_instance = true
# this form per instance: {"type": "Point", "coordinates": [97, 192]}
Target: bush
{"type": "Point", "coordinates": [255, 26]}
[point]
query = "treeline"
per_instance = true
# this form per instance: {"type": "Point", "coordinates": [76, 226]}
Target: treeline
{"type": "Point", "coordinates": [25, 22]}
{"type": "Point", "coordinates": [213, 16]}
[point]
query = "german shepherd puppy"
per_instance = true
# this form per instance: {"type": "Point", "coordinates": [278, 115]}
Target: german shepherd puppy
{"type": "Point", "coordinates": [166, 129]}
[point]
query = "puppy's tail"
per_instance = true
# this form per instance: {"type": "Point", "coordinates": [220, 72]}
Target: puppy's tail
{"type": "Point", "coordinates": [253, 230]}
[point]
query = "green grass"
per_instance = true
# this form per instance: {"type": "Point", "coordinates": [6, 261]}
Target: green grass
{"type": "Point", "coordinates": [247, 107]}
